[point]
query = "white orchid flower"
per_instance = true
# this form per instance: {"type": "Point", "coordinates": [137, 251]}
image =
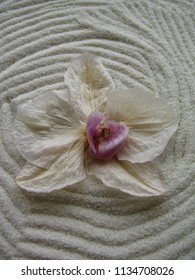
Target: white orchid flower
{"type": "Point", "coordinates": [92, 129]}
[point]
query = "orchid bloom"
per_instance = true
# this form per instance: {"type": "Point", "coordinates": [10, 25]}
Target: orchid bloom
{"type": "Point", "coordinates": [90, 128]}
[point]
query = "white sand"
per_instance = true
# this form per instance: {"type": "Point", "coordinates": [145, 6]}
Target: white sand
{"type": "Point", "coordinates": [143, 43]}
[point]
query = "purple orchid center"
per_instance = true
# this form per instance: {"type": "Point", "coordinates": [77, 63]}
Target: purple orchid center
{"type": "Point", "coordinates": [105, 138]}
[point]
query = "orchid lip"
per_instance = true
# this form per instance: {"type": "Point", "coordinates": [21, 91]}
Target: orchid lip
{"type": "Point", "coordinates": [105, 137]}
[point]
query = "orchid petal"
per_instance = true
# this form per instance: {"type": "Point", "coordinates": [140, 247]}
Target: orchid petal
{"type": "Point", "coordinates": [105, 139]}
{"type": "Point", "coordinates": [92, 121]}
{"type": "Point", "coordinates": [135, 179]}
{"type": "Point", "coordinates": [88, 82]}
{"type": "Point", "coordinates": [45, 127]}
{"type": "Point", "coordinates": [69, 170]}
{"type": "Point", "coordinates": [151, 123]}
{"type": "Point", "coordinates": [115, 141]}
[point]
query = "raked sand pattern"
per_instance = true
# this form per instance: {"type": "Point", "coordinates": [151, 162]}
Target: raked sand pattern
{"type": "Point", "coordinates": [142, 43]}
